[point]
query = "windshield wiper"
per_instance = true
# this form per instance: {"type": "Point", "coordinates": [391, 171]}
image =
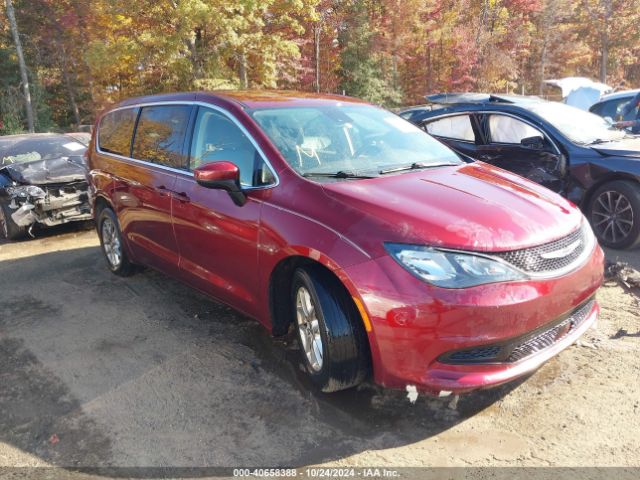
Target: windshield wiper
{"type": "Point", "coordinates": [339, 174]}
{"type": "Point", "coordinates": [599, 141]}
{"type": "Point", "coordinates": [414, 166]}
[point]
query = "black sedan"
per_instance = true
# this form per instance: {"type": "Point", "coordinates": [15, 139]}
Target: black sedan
{"type": "Point", "coordinates": [42, 182]}
{"type": "Point", "coordinates": [573, 152]}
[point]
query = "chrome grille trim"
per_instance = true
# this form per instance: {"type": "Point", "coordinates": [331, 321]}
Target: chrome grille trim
{"type": "Point", "coordinates": [554, 258]}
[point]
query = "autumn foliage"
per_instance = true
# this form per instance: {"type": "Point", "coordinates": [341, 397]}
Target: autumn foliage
{"type": "Point", "coordinates": [84, 55]}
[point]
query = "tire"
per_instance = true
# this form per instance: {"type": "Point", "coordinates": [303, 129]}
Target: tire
{"type": "Point", "coordinates": [112, 244]}
{"type": "Point", "coordinates": [8, 228]}
{"type": "Point", "coordinates": [614, 213]}
{"type": "Point", "coordinates": [341, 360]}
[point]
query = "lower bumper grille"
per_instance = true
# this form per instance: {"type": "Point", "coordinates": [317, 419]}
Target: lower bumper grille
{"type": "Point", "coordinates": [547, 338]}
{"type": "Point", "coordinates": [518, 349]}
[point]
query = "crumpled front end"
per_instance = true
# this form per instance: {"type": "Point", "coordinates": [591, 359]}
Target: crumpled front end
{"type": "Point", "coordinates": [50, 204]}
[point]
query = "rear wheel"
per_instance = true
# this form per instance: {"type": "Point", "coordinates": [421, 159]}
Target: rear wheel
{"type": "Point", "coordinates": [614, 212]}
{"type": "Point", "coordinates": [112, 245]}
{"type": "Point", "coordinates": [8, 228]}
{"type": "Point", "coordinates": [332, 339]}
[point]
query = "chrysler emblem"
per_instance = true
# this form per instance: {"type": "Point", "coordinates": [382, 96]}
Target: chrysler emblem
{"type": "Point", "coordinates": [563, 252]}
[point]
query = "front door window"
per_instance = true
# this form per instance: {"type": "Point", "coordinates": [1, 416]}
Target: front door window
{"type": "Point", "coordinates": [217, 138]}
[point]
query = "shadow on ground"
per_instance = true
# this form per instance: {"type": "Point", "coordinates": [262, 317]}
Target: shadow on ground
{"type": "Point", "coordinates": [48, 232]}
{"type": "Point", "coordinates": [99, 371]}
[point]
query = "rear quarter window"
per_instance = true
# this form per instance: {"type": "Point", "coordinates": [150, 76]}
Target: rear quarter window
{"type": "Point", "coordinates": [115, 131]}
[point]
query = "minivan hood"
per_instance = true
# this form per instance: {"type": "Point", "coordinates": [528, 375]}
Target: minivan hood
{"type": "Point", "coordinates": [629, 147]}
{"type": "Point", "coordinates": [470, 207]}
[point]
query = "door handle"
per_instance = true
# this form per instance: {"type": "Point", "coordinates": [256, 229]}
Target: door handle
{"type": "Point", "coordinates": [163, 191]}
{"type": "Point", "coordinates": [487, 158]}
{"type": "Point", "coordinates": [182, 197]}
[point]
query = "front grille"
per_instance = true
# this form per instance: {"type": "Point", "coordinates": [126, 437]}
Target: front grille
{"type": "Point", "coordinates": [476, 355]}
{"type": "Point", "coordinates": [545, 339]}
{"type": "Point", "coordinates": [550, 257]}
{"type": "Point", "coordinates": [522, 347]}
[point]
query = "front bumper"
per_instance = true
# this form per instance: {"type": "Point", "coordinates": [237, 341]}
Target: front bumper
{"type": "Point", "coordinates": [57, 205]}
{"type": "Point", "coordinates": [443, 377]}
{"type": "Point", "coordinates": [414, 326]}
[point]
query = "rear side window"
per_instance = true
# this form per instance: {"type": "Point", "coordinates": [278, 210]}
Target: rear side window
{"type": "Point", "coordinates": [457, 128]}
{"type": "Point", "coordinates": [160, 135]}
{"type": "Point", "coordinates": [115, 131]}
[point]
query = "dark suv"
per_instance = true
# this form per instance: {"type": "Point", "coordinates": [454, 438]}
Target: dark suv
{"type": "Point", "coordinates": [572, 152]}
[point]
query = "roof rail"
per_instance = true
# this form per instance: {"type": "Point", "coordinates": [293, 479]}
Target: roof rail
{"type": "Point", "coordinates": [454, 98]}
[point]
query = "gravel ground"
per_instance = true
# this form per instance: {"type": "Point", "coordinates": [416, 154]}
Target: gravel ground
{"type": "Point", "coordinates": [100, 371]}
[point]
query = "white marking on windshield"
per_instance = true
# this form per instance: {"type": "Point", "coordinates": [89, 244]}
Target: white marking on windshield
{"type": "Point", "coordinates": [346, 128]}
{"type": "Point", "coordinates": [73, 146]}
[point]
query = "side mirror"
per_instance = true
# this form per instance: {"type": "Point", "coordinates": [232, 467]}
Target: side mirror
{"type": "Point", "coordinates": [222, 176]}
{"type": "Point", "coordinates": [535, 143]}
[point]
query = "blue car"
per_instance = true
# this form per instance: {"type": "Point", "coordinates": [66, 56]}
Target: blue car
{"type": "Point", "coordinates": [573, 152]}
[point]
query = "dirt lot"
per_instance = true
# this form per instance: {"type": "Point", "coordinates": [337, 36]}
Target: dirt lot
{"type": "Point", "coordinates": [96, 370]}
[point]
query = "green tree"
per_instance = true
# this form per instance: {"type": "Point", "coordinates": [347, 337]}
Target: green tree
{"type": "Point", "coordinates": [363, 73]}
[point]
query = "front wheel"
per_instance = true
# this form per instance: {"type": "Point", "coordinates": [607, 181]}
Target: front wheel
{"type": "Point", "coordinates": [8, 228]}
{"type": "Point", "coordinates": [332, 339]}
{"type": "Point", "coordinates": [614, 212]}
{"type": "Point", "coordinates": [112, 245]}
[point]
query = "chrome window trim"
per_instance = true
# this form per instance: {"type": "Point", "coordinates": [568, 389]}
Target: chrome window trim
{"type": "Point", "coordinates": [180, 170]}
{"type": "Point", "coordinates": [493, 112]}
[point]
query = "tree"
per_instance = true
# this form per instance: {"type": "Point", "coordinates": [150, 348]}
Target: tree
{"type": "Point", "coordinates": [609, 28]}
{"type": "Point", "coordinates": [83, 55]}
{"type": "Point", "coordinates": [23, 66]}
{"type": "Point", "coordinates": [363, 66]}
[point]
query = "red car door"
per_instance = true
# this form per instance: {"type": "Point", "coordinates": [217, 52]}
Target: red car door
{"type": "Point", "coordinates": [144, 199]}
{"type": "Point", "coordinates": [217, 239]}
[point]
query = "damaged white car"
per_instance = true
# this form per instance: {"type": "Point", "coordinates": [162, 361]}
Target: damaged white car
{"type": "Point", "coordinates": [42, 182]}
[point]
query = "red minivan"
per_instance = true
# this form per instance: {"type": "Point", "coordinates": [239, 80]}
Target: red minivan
{"type": "Point", "coordinates": [389, 255]}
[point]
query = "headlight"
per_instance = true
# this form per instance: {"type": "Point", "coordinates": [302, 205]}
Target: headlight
{"type": "Point", "coordinates": [26, 191]}
{"type": "Point", "coordinates": [448, 269]}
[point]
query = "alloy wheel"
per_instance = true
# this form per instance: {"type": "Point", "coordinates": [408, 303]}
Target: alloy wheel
{"type": "Point", "coordinates": [612, 216]}
{"type": "Point", "coordinates": [309, 328]}
{"type": "Point", "coordinates": [111, 243]}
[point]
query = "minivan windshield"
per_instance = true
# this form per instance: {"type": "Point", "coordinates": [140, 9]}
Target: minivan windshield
{"type": "Point", "coordinates": [577, 125]}
{"type": "Point", "coordinates": [350, 141]}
